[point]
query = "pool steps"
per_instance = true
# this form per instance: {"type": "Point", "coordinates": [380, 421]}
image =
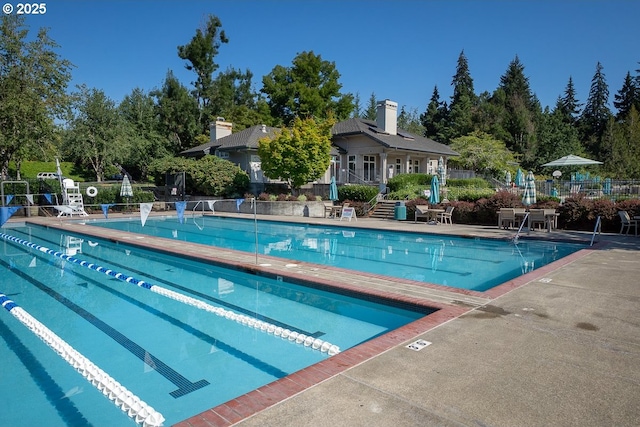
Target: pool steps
{"type": "Point", "coordinates": [292, 336]}
{"type": "Point", "coordinates": [128, 402]}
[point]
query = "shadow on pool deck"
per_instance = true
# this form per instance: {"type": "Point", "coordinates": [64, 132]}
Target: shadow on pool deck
{"type": "Point", "coordinates": [560, 348]}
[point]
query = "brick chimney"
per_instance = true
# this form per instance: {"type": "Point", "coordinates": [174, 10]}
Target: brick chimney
{"type": "Point", "coordinates": [219, 129]}
{"type": "Point", "coordinates": [387, 116]}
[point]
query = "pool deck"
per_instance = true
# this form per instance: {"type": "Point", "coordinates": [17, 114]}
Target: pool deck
{"type": "Point", "coordinates": [559, 346]}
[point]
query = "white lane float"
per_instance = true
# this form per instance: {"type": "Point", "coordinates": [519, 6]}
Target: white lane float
{"type": "Point", "coordinates": [132, 405]}
{"type": "Point", "coordinates": [269, 328]}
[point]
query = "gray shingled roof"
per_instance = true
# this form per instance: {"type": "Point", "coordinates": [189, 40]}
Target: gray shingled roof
{"type": "Point", "coordinates": [404, 140]}
{"type": "Point", "coordinates": [247, 138]}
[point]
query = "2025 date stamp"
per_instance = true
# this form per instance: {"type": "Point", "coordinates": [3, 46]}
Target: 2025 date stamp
{"type": "Point", "coordinates": [24, 8]}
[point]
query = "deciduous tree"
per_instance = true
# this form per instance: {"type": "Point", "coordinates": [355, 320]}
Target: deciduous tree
{"type": "Point", "coordinates": [33, 82]}
{"type": "Point", "coordinates": [482, 153]}
{"type": "Point", "coordinates": [299, 154]}
{"type": "Point", "coordinates": [96, 136]}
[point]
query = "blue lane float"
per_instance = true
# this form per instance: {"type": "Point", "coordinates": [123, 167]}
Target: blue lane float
{"type": "Point", "coordinates": [128, 402]}
{"type": "Point", "coordinates": [269, 328]}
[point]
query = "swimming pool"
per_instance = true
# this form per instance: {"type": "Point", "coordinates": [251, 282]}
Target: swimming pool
{"type": "Point", "coordinates": [179, 359]}
{"type": "Point", "coordinates": [472, 264]}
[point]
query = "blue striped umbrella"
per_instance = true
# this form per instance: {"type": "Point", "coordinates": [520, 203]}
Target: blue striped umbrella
{"type": "Point", "coordinates": [434, 198]}
{"type": "Point", "coordinates": [529, 196]}
{"type": "Point", "coordinates": [519, 178]}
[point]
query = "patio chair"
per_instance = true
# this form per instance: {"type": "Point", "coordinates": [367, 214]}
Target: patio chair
{"type": "Point", "coordinates": [628, 223]}
{"type": "Point", "coordinates": [507, 218]}
{"type": "Point", "coordinates": [445, 217]}
{"type": "Point", "coordinates": [537, 217]}
{"type": "Point", "coordinates": [421, 212]}
{"type": "Point", "coordinates": [329, 208]}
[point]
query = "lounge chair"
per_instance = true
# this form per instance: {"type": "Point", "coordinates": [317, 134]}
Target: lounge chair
{"type": "Point", "coordinates": [628, 223]}
{"type": "Point", "coordinates": [445, 217]}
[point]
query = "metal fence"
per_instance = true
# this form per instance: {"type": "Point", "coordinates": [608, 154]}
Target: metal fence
{"type": "Point", "coordinates": [611, 189]}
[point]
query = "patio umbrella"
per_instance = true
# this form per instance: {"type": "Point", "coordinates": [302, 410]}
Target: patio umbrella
{"type": "Point", "coordinates": [434, 198]}
{"type": "Point", "coordinates": [519, 178]}
{"type": "Point", "coordinates": [572, 160]}
{"type": "Point", "coordinates": [606, 188]}
{"type": "Point", "coordinates": [333, 190]}
{"type": "Point", "coordinates": [126, 190]}
{"type": "Point", "coordinates": [507, 179]}
{"type": "Point", "coordinates": [529, 196]}
{"type": "Point", "coordinates": [441, 172]}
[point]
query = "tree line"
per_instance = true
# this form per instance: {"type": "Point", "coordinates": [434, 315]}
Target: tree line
{"type": "Point", "coordinates": [40, 118]}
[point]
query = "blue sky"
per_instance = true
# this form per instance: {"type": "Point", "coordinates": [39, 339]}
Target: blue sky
{"type": "Point", "coordinates": [397, 49]}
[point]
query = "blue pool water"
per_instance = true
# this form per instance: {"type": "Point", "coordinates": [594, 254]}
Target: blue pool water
{"type": "Point", "coordinates": [177, 358]}
{"type": "Point", "coordinates": [474, 264]}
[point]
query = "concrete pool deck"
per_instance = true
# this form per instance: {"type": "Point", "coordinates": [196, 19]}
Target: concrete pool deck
{"type": "Point", "coordinates": [557, 346]}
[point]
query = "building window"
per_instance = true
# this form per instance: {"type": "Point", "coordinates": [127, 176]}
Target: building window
{"type": "Point", "coordinates": [352, 168]}
{"type": "Point", "coordinates": [369, 168]}
{"type": "Point", "coordinates": [398, 166]}
{"type": "Point", "coordinates": [416, 166]}
{"type": "Point", "coordinates": [335, 167]}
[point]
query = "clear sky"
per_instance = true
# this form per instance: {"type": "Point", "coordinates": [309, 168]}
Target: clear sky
{"type": "Point", "coordinates": [397, 49]}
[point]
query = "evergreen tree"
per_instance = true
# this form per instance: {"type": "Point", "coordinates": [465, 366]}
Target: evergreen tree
{"type": "Point", "coordinates": [520, 111]}
{"type": "Point", "coordinates": [410, 121]}
{"type": "Point", "coordinates": [596, 113]}
{"type": "Point", "coordinates": [557, 137]}
{"type": "Point", "coordinates": [357, 108]}
{"type": "Point", "coordinates": [568, 105]}
{"type": "Point", "coordinates": [621, 145]}
{"type": "Point", "coordinates": [200, 53]}
{"type": "Point", "coordinates": [463, 100]}
{"type": "Point", "coordinates": [626, 97]}
{"type": "Point", "coordinates": [177, 113]}
{"type": "Point", "coordinates": [142, 131]}
{"type": "Point", "coordinates": [434, 118]}
{"type": "Point", "coordinates": [372, 108]}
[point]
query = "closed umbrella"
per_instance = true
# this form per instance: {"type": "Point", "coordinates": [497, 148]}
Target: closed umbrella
{"type": "Point", "coordinates": [529, 196]}
{"type": "Point", "coordinates": [434, 198]}
{"type": "Point", "coordinates": [126, 190]}
{"type": "Point", "coordinates": [333, 190]}
{"type": "Point", "coordinates": [442, 172]}
{"type": "Point", "coordinates": [519, 178]}
{"type": "Point", "coordinates": [507, 179]}
{"type": "Point", "coordinates": [606, 188]}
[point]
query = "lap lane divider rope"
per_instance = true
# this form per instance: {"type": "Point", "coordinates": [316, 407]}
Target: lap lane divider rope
{"type": "Point", "coordinates": [128, 402]}
{"type": "Point", "coordinates": [278, 331]}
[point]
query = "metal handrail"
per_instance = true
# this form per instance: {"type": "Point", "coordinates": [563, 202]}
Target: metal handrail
{"type": "Point", "coordinates": [597, 229]}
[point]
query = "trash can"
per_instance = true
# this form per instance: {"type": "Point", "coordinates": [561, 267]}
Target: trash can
{"type": "Point", "coordinates": [400, 212]}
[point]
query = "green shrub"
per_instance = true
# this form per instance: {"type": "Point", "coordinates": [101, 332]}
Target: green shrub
{"type": "Point", "coordinates": [357, 193]}
{"type": "Point", "coordinates": [403, 180]}
{"type": "Point", "coordinates": [208, 176]}
{"type": "Point", "coordinates": [468, 194]}
{"type": "Point", "coordinates": [468, 182]}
